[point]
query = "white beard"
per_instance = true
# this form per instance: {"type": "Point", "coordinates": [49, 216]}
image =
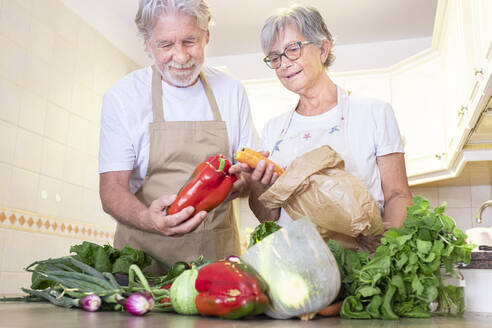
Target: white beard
{"type": "Point", "coordinates": [176, 78]}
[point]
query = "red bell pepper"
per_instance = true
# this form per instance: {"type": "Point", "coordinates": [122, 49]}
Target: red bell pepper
{"type": "Point", "coordinates": [229, 290]}
{"type": "Point", "coordinates": [207, 189]}
{"type": "Point", "coordinates": [214, 161]}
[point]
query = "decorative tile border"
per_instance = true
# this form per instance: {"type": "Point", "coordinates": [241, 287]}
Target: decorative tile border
{"type": "Point", "coordinates": [17, 219]}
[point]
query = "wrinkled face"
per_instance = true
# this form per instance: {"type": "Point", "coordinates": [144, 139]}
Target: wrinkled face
{"type": "Point", "coordinates": [302, 73]}
{"type": "Point", "coordinates": [177, 47]}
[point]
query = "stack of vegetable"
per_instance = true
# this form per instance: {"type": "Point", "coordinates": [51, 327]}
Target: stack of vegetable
{"type": "Point", "coordinates": [403, 277]}
{"type": "Point", "coordinates": [227, 289]}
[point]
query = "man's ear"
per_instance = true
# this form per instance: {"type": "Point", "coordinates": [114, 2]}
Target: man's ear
{"type": "Point", "coordinates": [207, 37]}
{"type": "Point", "coordinates": [325, 50]}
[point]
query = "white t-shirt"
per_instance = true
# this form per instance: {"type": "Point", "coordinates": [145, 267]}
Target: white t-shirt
{"type": "Point", "coordinates": [372, 132]}
{"type": "Point", "coordinates": [127, 112]}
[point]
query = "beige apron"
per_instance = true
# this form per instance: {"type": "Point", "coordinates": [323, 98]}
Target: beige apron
{"type": "Point", "coordinates": [176, 148]}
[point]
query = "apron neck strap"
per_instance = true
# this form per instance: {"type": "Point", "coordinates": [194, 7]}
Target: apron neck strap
{"type": "Point", "coordinates": [211, 97]}
{"type": "Point", "coordinates": [157, 107]}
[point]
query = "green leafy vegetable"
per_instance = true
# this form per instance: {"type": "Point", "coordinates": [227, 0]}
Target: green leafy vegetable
{"type": "Point", "coordinates": [404, 275]}
{"type": "Point", "coordinates": [261, 231]}
{"type": "Point", "coordinates": [108, 259]}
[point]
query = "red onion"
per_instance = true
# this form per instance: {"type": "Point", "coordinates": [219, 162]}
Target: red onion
{"type": "Point", "coordinates": [139, 303]}
{"type": "Point", "coordinates": [233, 258]}
{"type": "Point", "coordinates": [90, 303]}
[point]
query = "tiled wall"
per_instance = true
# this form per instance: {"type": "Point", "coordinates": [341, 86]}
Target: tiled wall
{"type": "Point", "coordinates": [54, 69]}
{"type": "Point", "coordinates": [463, 195]}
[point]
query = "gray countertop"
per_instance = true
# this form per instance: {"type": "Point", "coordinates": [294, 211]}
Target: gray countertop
{"type": "Point", "coordinates": [37, 315]}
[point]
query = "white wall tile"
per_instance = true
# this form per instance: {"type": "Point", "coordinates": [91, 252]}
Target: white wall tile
{"type": "Point", "coordinates": [68, 23]}
{"type": "Point", "coordinates": [480, 194]}
{"type": "Point", "coordinates": [2, 241]}
{"type": "Point", "coordinates": [41, 39]}
{"type": "Point", "coordinates": [52, 158]}
{"type": "Point", "coordinates": [455, 196]}
{"type": "Point", "coordinates": [33, 112]}
{"type": "Point", "coordinates": [60, 89]}
{"type": "Point", "coordinates": [462, 216]}
{"type": "Point", "coordinates": [429, 193]}
{"type": "Point", "coordinates": [84, 70]}
{"type": "Point", "coordinates": [24, 248]}
{"type": "Point", "coordinates": [12, 60]}
{"type": "Point", "coordinates": [5, 178]}
{"type": "Point", "coordinates": [11, 99]}
{"type": "Point", "coordinates": [91, 179]}
{"type": "Point", "coordinates": [71, 201]}
{"type": "Point", "coordinates": [23, 189]}
{"type": "Point", "coordinates": [64, 57]}
{"type": "Point", "coordinates": [14, 22]}
{"type": "Point", "coordinates": [56, 126]}
{"type": "Point", "coordinates": [46, 11]}
{"type": "Point", "coordinates": [85, 42]}
{"type": "Point", "coordinates": [91, 206]}
{"type": "Point", "coordinates": [82, 101]}
{"type": "Point", "coordinates": [74, 167]}
{"type": "Point", "coordinates": [36, 75]}
{"type": "Point", "coordinates": [8, 135]}
{"type": "Point", "coordinates": [479, 174]}
{"type": "Point", "coordinates": [11, 283]}
{"type": "Point", "coordinates": [77, 133]}
{"type": "Point", "coordinates": [28, 150]}
{"type": "Point", "coordinates": [92, 139]}
{"type": "Point", "coordinates": [47, 203]}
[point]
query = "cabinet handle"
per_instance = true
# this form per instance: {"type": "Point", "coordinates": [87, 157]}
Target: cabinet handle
{"type": "Point", "coordinates": [440, 156]}
{"type": "Point", "coordinates": [478, 71]}
{"type": "Point", "coordinates": [462, 110]}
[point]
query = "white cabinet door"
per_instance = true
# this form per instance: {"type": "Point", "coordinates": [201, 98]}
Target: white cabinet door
{"type": "Point", "coordinates": [416, 93]}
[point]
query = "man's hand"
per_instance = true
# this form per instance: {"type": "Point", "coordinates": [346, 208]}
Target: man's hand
{"type": "Point", "coordinates": [174, 225]}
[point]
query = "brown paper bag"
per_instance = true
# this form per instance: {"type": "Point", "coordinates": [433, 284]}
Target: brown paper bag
{"type": "Point", "coordinates": [316, 186]}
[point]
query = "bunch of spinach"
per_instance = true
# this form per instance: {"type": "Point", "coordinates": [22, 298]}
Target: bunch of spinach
{"type": "Point", "coordinates": [404, 275]}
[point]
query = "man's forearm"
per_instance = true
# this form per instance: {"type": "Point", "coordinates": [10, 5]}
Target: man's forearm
{"type": "Point", "coordinates": [122, 205]}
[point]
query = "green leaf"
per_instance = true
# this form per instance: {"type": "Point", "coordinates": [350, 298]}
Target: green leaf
{"type": "Point", "coordinates": [368, 291]}
{"type": "Point", "coordinates": [423, 247]}
{"type": "Point", "coordinates": [417, 286]}
{"type": "Point", "coordinates": [262, 231]}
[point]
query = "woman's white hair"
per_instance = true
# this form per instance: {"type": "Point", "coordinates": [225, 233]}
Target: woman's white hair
{"type": "Point", "coordinates": [150, 10]}
{"type": "Point", "coordinates": [307, 19]}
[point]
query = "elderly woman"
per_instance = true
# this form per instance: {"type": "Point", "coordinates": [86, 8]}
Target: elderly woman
{"type": "Point", "coordinates": [363, 131]}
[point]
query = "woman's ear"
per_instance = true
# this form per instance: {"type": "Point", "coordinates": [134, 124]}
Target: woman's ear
{"type": "Point", "coordinates": [325, 50]}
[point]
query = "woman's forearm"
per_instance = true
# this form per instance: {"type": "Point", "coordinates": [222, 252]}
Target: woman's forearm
{"type": "Point", "coordinates": [261, 212]}
{"type": "Point", "coordinates": [395, 209]}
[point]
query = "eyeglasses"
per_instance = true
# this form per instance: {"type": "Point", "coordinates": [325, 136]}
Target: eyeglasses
{"type": "Point", "coordinates": [292, 52]}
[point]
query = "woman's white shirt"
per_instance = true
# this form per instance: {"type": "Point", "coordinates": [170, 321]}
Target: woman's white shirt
{"type": "Point", "coordinates": [372, 132]}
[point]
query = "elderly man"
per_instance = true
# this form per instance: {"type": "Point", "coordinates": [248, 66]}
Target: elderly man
{"type": "Point", "coordinates": [157, 124]}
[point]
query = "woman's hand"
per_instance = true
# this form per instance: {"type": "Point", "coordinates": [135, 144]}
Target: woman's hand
{"type": "Point", "coordinates": [263, 176]}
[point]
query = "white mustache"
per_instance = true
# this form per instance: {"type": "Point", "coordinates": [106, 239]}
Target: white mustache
{"type": "Point", "coordinates": [173, 64]}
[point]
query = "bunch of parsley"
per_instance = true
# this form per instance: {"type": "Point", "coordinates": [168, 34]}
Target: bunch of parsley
{"type": "Point", "coordinates": [403, 277]}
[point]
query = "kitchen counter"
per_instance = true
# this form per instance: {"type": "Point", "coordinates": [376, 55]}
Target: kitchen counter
{"type": "Point", "coordinates": [37, 315]}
